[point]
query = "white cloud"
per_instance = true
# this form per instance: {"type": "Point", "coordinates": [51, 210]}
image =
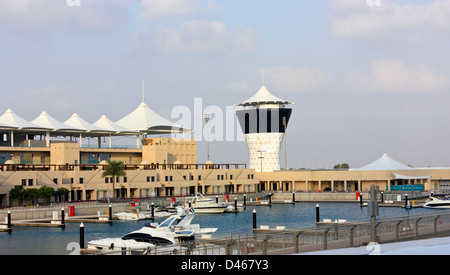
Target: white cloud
{"type": "Point", "coordinates": [355, 19]}
{"type": "Point", "coordinates": [196, 36]}
{"type": "Point", "coordinates": [161, 8]}
{"type": "Point", "coordinates": [36, 17]}
{"type": "Point", "coordinates": [286, 79]}
{"type": "Point", "coordinates": [393, 76]}
{"type": "Point", "coordinates": [292, 79]}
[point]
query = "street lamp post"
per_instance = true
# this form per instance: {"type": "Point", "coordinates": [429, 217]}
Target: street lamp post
{"type": "Point", "coordinates": [207, 117]}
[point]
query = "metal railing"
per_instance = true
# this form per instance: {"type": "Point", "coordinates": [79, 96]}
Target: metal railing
{"type": "Point", "coordinates": [328, 237]}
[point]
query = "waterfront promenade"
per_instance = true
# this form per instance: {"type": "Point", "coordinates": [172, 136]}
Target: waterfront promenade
{"type": "Point", "coordinates": [100, 208]}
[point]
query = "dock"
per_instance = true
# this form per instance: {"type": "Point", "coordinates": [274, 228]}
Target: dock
{"type": "Point", "coordinates": [4, 228]}
{"type": "Point", "coordinates": [397, 204]}
{"type": "Point", "coordinates": [330, 222]}
{"type": "Point", "coordinates": [267, 229]}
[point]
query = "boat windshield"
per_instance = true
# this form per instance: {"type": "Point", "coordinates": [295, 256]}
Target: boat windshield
{"type": "Point", "coordinates": [167, 222]}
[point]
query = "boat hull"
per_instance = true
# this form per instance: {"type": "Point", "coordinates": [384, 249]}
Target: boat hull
{"type": "Point", "coordinates": [437, 206]}
{"type": "Point", "coordinates": [209, 209]}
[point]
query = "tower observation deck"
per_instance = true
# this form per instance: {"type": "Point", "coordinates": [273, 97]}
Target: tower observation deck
{"type": "Point", "coordinates": [264, 119]}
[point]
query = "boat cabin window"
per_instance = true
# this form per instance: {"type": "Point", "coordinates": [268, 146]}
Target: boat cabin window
{"type": "Point", "coordinates": [146, 238]}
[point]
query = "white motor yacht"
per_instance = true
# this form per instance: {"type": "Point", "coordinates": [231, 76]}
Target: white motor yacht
{"type": "Point", "coordinates": [437, 203]}
{"type": "Point", "coordinates": [130, 216]}
{"type": "Point", "coordinates": [202, 205]}
{"type": "Point", "coordinates": [164, 234]}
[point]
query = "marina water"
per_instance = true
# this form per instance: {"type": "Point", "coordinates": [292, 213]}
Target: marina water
{"type": "Point", "coordinates": [57, 241]}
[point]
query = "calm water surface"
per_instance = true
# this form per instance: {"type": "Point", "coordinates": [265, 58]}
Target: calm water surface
{"type": "Point", "coordinates": [54, 241]}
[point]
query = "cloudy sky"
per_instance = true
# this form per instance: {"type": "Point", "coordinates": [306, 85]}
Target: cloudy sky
{"type": "Point", "coordinates": [368, 77]}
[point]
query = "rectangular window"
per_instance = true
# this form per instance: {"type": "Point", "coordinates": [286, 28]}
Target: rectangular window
{"type": "Point", "coordinates": [55, 181]}
{"type": "Point", "coordinates": [30, 182]}
{"type": "Point", "coordinates": [81, 180]}
{"type": "Point", "coordinates": [24, 182]}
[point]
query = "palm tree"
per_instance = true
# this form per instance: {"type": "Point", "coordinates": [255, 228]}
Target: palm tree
{"type": "Point", "coordinates": [114, 169]}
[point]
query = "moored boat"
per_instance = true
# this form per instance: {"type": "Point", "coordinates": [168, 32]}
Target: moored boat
{"type": "Point", "coordinates": [437, 203]}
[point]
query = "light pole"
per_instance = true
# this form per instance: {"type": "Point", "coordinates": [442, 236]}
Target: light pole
{"type": "Point", "coordinates": [261, 158]}
{"type": "Point", "coordinates": [207, 117]}
{"type": "Point", "coordinates": [285, 143]}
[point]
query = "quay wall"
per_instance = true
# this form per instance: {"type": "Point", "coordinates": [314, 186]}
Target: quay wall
{"type": "Point", "coordinates": [38, 213]}
{"type": "Point", "coordinates": [34, 213]}
{"type": "Point", "coordinates": [324, 197]}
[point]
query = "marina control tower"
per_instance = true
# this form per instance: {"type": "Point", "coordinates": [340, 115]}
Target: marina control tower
{"type": "Point", "coordinates": [264, 119]}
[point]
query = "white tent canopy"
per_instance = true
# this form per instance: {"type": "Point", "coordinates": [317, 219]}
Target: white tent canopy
{"type": "Point", "coordinates": [105, 123]}
{"type": "Point", "coordinates": [385, 163]}
{"type": "Point", "coordinates": [263, 96]}
{"type": "Point", "coordinates": [77, 122]}
{"type": "Point", "coordinates": [47, 121]}
{"type": "Point", "coordinates": [145, 120]}
{"type": "Point", "coordinates": [10, 119]}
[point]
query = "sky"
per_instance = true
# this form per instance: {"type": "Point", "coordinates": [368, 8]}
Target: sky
{"type": "Point", "coordinates": [368, 77]}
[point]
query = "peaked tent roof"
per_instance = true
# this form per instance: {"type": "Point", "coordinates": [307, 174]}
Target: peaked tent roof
{"type": "Point", "coordinates": [263, 96]}
{"type": "Point", "coordinates": [77, 122]}
{"type": "Point", "coordinates": [47, 121]}
{"type": "Point", "coordinates": [143, 119]}
{"type": "Point", "coordinates": [105, 123]}
{"type": "Point", "coordinates": [385, 163]}
{"type": "Point", "coordinates": [10, 119]}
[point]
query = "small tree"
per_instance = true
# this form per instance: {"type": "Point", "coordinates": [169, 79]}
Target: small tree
{"type": "Point", "coordinates": [114, 169]}
{"type": "Point", "coordinates": [342, 166]}
{"type": "Point", "coordinates": [31, 194]}
{"type": "Point", "coordinates": [61, 193]}
{"type": "Point", "coordinates": [46, 192]}
{"type": "Point", "coordinates": [17, 193]}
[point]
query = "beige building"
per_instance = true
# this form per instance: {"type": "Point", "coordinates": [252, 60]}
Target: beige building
{"type": "Point", "coordinates": [32, 155]}
{"type": "Point", "coordinates": [163, 167]}
{"type": "Point", "coordinates": [386, 173]}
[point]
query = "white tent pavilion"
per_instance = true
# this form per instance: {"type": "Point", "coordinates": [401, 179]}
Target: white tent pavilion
{"type": "Point", "coordinates": [14, 122]}
{"type": "Point", "coordinates": [91, 130]}
{"type": "Point", "coordinates": [47, 121]}
{"type": "Point", "coordinates": [57, 127]}
{"type": "Point", "coordinates": [105, 123]}
{"type": "Point", "coordinates": [144, 120]}
{"type": "Point", "coordinates": [77, 122]}
{"type": "Point", "coordinates": [10, 119]}
{"type": "Point", "coordinates": [384, 163]}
